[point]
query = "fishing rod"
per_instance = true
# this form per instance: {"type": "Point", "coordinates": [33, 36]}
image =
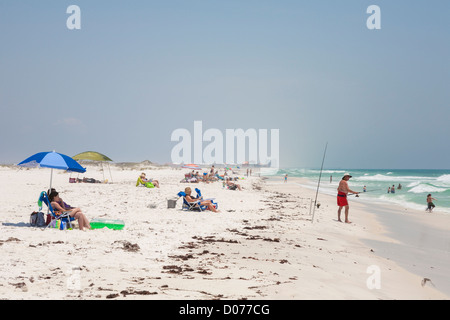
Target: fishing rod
{"type": "Point", "coordinates": [318, 183]}
{"type": "Point", "coordinates": [353, 194]}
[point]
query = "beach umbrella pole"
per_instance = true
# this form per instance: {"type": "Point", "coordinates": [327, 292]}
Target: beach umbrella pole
{"type": "Point", "coordinates": [51, 178]}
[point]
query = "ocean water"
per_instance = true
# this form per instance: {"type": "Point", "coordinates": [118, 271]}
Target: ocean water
{"type": "Point", "coordinates": [416, 184]}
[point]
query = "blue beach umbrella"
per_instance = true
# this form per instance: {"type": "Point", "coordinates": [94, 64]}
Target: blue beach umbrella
{"type": "Point", "coordinates": [52, 160]}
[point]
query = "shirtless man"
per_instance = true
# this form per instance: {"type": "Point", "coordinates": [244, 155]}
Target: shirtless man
{"type": "Point", "coordinates": [430, 203]}
{"type": "Point", "coordinates": [343, 191]}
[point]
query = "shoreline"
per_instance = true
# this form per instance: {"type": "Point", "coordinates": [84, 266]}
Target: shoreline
{"type": "Point", "coordinates": [417, 241]}
{"type": "Point", "coordinates": [261, 246]}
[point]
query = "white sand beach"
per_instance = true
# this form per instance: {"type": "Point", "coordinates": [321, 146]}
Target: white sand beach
{"type": "Point", "coordinates": [261, 245]}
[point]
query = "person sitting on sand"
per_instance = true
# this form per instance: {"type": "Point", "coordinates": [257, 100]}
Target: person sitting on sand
{"type": "Point", "coordinates": [143, 180]}
{"type": "Point", "coordinates": [76, 213]}
{"type": "Point", "coordinates": [212, 175]}
{"type": "Point", "coordinates": [191, 199]}
{"type": "Point", "coordinates": [430, 203]}
{"type": "Point", "coordinates": [232, 185]}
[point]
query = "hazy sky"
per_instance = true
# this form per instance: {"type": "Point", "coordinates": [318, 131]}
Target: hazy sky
{"type": "Point", "coordinates": [138, 70]}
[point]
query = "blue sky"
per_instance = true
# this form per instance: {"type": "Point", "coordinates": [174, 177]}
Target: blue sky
{"type": "Point", "coordinates": [138, 70]}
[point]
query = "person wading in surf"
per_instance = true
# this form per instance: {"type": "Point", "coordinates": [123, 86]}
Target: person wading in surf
{"type": "Point", "coordinates": [343, 191]}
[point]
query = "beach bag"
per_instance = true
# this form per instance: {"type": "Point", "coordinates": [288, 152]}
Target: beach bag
{"type": "Point", "coordinates": [37, 219]}
{"type": "Point", "coordinates": [149, 185]}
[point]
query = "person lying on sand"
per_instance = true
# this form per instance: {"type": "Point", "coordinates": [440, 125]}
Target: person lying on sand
{"type": "Point", "coordinates": [232, 185]}
{"type": "Point", "coordinates": [206, 203]}
{"type": "Point", "coordinates": [76, 213]}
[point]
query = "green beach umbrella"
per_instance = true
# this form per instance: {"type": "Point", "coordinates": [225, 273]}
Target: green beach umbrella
{"type": "Point", "coordinates": [94, 156]}
{"type": "Point", "coordinates": [91, 155]}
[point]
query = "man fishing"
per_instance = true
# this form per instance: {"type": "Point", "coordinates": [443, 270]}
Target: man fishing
{"type": "Point", "coordinates": [343, 191]}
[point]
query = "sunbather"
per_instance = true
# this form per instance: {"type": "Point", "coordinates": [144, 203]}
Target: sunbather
{"type": "Point", "coordinates": [60, 201]}
{"type": "Point", "coordinates": [76, 213]}
{"type": "Point", "coordinates": [143, 180]}
{"type": "Point", "coordinates": [206, 203]}
{"type": "Point", "coordinates": [232, 185]}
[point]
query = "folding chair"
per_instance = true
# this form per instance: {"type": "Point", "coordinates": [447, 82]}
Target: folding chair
{"type": "Point", "coordinates": [195, 206]}
{"type": "Point", "coordinates": [65, 216]}
{"type": "Point", "coordinates": [190, 206]}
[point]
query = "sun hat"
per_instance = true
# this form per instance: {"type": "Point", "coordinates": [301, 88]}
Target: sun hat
{"type": "Point", "coordinates": [346, 174]}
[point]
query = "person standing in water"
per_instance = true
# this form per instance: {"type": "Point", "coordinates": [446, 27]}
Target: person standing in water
{"type": "Point", "coordinates": [430, 203]}
{"type": "Point", "coordinates": [343, 191]}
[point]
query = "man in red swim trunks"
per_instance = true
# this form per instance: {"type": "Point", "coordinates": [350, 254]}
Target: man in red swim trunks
{"type": "Point", "coordinates": [343, 191]}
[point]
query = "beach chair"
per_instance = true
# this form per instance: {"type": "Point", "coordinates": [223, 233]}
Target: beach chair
{"type": "Point", "coordinates": [195, 206]}
{"type": "Point", "coordinates": [190, 206]}
{"type": "Point", "coordinates": [200, 197]}
{"type": "Point", "coordinates": [43, 198]}
{"type": "Point", "coordinates": [139, 182]}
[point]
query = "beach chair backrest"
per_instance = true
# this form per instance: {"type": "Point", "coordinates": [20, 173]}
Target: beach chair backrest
{"type": "Point", "coordinates": [183, 194]}
{"type": "Point", "coordinates": [43, 198]}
